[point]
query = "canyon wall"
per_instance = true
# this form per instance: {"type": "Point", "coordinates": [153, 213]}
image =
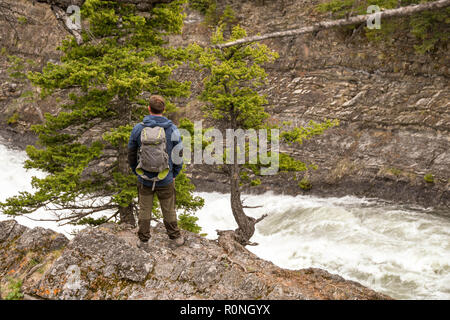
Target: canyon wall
{"type": "Point", "coordinates": [393, 103]}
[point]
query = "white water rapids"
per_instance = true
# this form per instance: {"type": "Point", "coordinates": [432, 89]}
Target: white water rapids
{"type": "Point", "coordinates": [402, 252]}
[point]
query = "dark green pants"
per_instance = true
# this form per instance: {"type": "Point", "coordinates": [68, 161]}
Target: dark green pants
{"type": "Point", "coordinates": [166, 197]}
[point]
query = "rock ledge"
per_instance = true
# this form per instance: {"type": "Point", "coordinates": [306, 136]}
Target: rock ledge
{"type": "Point", "coordinates": [105, 263]}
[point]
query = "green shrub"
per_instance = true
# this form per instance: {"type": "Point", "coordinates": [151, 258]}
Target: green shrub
{"type": "Point", "coordinates": [395, 171]}
{"type": "Point", "coordinates": [244, 176]}
{"type": "Point", "coordinates": [339, 8]}
{"type": "Point", "coordinates": [228, 16]}
{"type": "Point", "coordinates": [16, 68]}
{"type": "Point", "coordinates": [16, 290]}
{"type": "Point", "coordinates": [27, 94]}
{"type": "Point", "coordinates": [429, 178]}
{"type": "Point", "coordinates": [305, 184]}
{"type": "Point", "coordinates": [202, 5]}
{"type": "Point", "coordinates": [22, 20]}
{"type": "Point", "coordinates": [430, 28]}
{"type": "Point", "coordinates": [255, 182]}
{"type": "Point", "coordinates": [13, 119]}
{"type": "Point", "coordinates": [214, 16]}
{"type": "Point", "coordinates": [33, 262]}
{"type": "Point", "coordinates": [188, 222]}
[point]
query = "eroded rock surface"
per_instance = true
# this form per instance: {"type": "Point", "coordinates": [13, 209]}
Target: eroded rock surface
{"type": "Point", "coordinates": [105, 263]}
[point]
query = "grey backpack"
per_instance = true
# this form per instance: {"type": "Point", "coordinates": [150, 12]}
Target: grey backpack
{"type": "Point", "coordinates": [153, 155]}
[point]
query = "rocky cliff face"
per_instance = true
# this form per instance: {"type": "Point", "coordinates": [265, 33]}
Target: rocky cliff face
{"type": "Point", "coordinates": [30, 32]}
{"type": "Point", "coordinates": [104, 263]}
{"type": "Point", "coordinates": [393, 104]}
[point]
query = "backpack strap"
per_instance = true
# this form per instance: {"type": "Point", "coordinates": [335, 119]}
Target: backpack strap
{"type": "Point", "coordinates": [144, 177]}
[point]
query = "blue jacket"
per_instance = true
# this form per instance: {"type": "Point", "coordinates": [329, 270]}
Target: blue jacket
{"type": "Point", "coordinates": [135, 143]}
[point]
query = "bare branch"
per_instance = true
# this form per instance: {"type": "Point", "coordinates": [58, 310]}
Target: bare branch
{"type": "Point", "coordinates": [114, 215]}
{"type": "Point", "coordinates": [251, 207]}
{"type": "Point", "coordinates": [260, 218]}
{"type": "Point", "coordinates": [7, 13]}
{"type": "Point", "coordinates": [75, 215]}
{"type": "Point", "coordinates": [399, 12]}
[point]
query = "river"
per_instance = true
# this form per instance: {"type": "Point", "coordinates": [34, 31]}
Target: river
{"type": "Point", "coordinates": [401, 251]}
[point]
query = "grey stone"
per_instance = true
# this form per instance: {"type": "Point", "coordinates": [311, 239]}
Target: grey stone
{"type": "Point", "coordinates": [99, 264]}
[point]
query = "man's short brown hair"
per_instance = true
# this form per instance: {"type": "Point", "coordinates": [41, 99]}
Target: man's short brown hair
{"type": "Point", "coordinates": [157, 104]}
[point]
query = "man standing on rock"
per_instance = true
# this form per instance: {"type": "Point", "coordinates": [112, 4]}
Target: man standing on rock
{"type": "Point", "coordinates": [150, 157]}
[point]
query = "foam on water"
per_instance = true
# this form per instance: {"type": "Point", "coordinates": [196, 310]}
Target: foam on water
{"type": "Point", "coordinates": [402, 252]}
{"type": "Point", "coordinates": [13, 179]}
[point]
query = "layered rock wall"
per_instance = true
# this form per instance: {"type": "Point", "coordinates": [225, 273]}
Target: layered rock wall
{"type": "Point", "coordinates": [393, 104]}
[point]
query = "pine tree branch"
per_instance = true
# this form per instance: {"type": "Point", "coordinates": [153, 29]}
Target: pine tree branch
{"type": "Point", "coordinates": [399, 12]}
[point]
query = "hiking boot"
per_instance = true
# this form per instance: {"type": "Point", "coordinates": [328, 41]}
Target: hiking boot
{"type": "Point", "coordinates": [178, 241]}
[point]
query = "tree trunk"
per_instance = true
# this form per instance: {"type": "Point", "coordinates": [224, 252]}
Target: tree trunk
{"type": "Point", "coordinates": [399, 12]}
{"type": "Point", "coordinates": [125, 213]}
{"type": "Point", "coordinates": [246, 225]}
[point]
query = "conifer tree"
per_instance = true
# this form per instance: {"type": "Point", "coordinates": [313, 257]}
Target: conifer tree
{"type": "Point", "coordinates": [232, 101]}
{"type": "Point", "coordinates": [83, 149]}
